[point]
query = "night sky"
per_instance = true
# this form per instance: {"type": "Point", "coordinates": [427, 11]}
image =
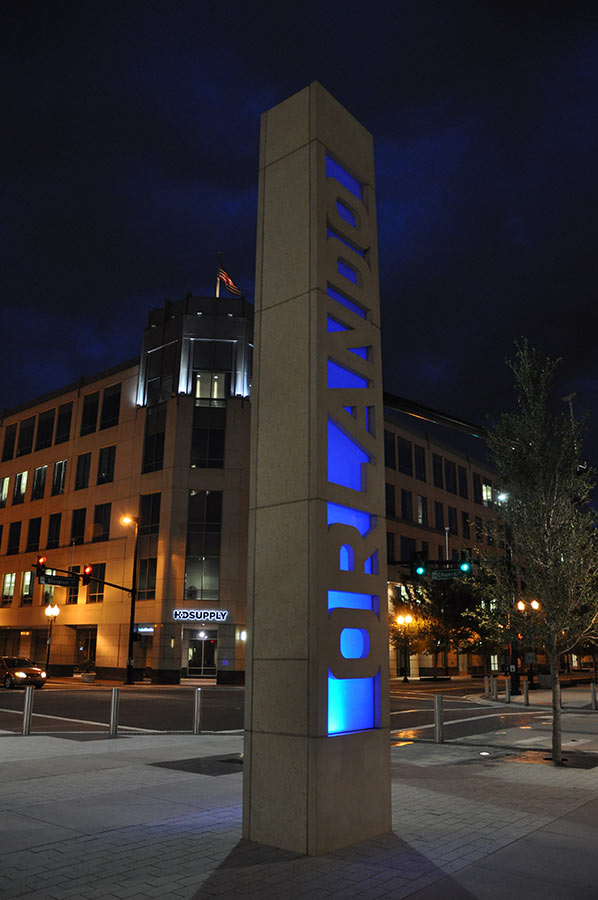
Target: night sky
{"type": "Point", "coordinates": [131, 152]}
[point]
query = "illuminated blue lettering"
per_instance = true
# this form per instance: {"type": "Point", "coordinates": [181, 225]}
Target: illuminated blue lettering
{"type": "Point", "coordinates": [346, 270]}
{"type": "Point", "coordinates": [355, 643]}
{"type": "Point", "coordinates": [345, 459]}
{"type": "Point", "coordinates": [335, 325]}
{"type": "Point", "coordinates": [346, 515]}
{"type": "Point", "coordinates": [346, 214]}
{"type": "Point", "coordinates": [346, 561]}
{"type": "Point", "coordinates": [346, 301]}
{"type": "Point", "coordinates": [352, 703]}
{"type": "Point", "coordinates": [335, 170]}
{"type": "Point", "coordinates": [339, 377]}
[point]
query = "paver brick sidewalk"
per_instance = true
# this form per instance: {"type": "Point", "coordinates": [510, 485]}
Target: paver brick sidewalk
{"type": "Point", "coordinates": [100, 820]}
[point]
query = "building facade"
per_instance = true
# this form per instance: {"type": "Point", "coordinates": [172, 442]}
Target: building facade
{"type": "Point", "coordinates": [165, 440]}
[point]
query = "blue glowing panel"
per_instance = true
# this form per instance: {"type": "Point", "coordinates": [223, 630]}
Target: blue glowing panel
{"type": "Point", "coordinates": [335, 170]}
{"type": "Point", "coordinates": [360, 351]}
{"type": "Point", "coordinates": [371, 564]}
{"type": "Point", "coordinates": [346, 271]}
{"type": "Point", "coordinates": [346, 561]}
{"type": "Point", "coordinates": [331, 233]}
{"type": "Point", "coordinates": [351, 410]}
{"type": "Point", "coordinates": [345, 301]}
{"type": "Point", "coordinates": [335, 325]}
{"type": "Point", "coordinates": [369, 419]}
{"type": "Point", "coordinates": [351, 704]}
{"type": "Point", "coordinates": [346, 214]}
{"type": "Point", "coordinates": [339, 377]}
{"type": "Point", "coordinates": [350, 600]}
{"type": "Point", "coordinates": [354, 643]}
{"type": "Point", "coordinates": [345, 459]}
{"type": "Point", "coordinates": [346, 515]}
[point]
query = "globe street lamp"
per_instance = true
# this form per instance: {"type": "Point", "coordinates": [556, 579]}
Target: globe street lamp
{"type": "Point", "coordinates": [522, 607]}
{"type": "Point", "coordinates": [404, 621]}
{"type": "Point", "coordinates": [132, 520]}
{"type": "Point", "coordinates": [51, 612]}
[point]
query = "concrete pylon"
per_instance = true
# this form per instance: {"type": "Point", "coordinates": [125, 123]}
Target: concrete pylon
{"type": "Point", "coordinates": [317, 748]}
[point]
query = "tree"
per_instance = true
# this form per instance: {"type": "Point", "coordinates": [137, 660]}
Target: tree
{"type": "Point", "coordinates": [551, 550]}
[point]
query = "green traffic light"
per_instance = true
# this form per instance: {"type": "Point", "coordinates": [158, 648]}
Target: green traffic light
{"type": "Point", "coordinates": [420, 570]}
{"type": "Point", "coordinates": [465, 566]}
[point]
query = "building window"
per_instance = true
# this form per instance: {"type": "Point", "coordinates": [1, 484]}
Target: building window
{"type": "Point", "coordinates": [45, 429]}
{"type": "Point", "coordinates": [479, 529]}
{"type": "Point", "coordinates": [33, 533]}
{"type": "Point", "coordinates": [78, 526]}
{"type": "Point", "coordinates": [207, 441]}
{"type": "Point", "coordinates": [465, 525]}
{"type": "Point", "coordinates": [153, 444]}
{"type": "Point", "coordinates": [438, 516]}
{"type": "Point", "coordinates": [406, 505]}
{"type": "Point", "coordinates": [101, 522]}
{"type": "Point", "coordinates": [147, 579]}
{"type": "Point", "coordinates": [452, 520]}
{"type": "Point", "coordinates": [407, 548]}
{"type": "Point", "coordinates": [390, 499]}
{"type": "Point", "coordinates": [63, 424]}
{"type": "Point", "coordinates": [27, 585]}
{"type": "Point", "coordinates": [405, 461]}
{"type": "Point", "coordinates": [20, 488]}
{"type": "Point", "coordinates": [26, 430]}
{"type": "Point", "coordinates": [39, 483]}
{"type": "Point", "coordinates": [72, 593]}
{"type": "Point", "coordinates": [82, 473]}
{"type": "Point", "coordinates": [487, 495]}
{"type": "Point", "coordinates": [390, 459]}
{"type": "Point", "coordinates": [477, 487]}
{"type": "Point", "coordinates": [54, 531]}
{"type": "Point", "coordinates": [95, 590]}
{"type": "Point", "coordinates": [14, 538]}
{"type": "Point", "coordinates": [450, 476]}
{"type": "Point", "coordinates": [89, 417]}
{"type": "Point", "coordinates": [422, 511]}
{"type": "Point", "coordinates": [4, 490]}
{"type": "Point", "coordinates": [8, 588]}
{"type": "Point", "coordinates": [59, 477]}
{"type": "Point", "coordinates": [390, 547]}
{"type": "Point", "coordinates": [419, 454]}
{"type": "Point", "coordinates": [211, 388]}
{"type": "Point", "coordinates": [106, 458]}
{"type": "Point", "coordinates": [202, 569]}
{"type": "Point", "coordinates": [463, 489]}
{"type": "Point", "coordinates": [110, 407]}
{"type": "Point", "coordinates": [149, 513]}
{"type": "Point", "coordinates": [10, 437]}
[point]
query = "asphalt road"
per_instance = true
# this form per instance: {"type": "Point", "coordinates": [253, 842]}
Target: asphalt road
{"type": "Point", "coordinates": [62, 707]}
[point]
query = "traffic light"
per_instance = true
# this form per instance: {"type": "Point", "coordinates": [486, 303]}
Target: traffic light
{"type": "Point", "coordinates": [419, 564]}
{"type": "Point", "coordinates": [465, 563]}
{"type": "Point", "coordinates": [40, 566]}
{"type": "Point", "coordinates": [86, 577]}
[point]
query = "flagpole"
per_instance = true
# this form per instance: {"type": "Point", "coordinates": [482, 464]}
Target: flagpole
{"type": "Point", "coordinates": [218, 276]}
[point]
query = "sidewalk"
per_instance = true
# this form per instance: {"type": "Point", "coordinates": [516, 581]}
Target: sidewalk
{"type": "Point", "coordinates": [139, 817]}
{"type": "Point", "coordinates": [578, 697]}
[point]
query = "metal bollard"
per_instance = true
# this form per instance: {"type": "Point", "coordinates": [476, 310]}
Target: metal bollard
{"type": "Point", "coordinates": [486, 686]}
{"type": "Point", "coordinates": [593, 687]}
{"type": "Point", "coordinates": [197, 712]}
{"type": "Point", "coordinates": [27, 710]}
{"type": "Point", "coordinates": [508, 689]}
{"type": "Point", "coordinates": [114, 701]}
{"type": "Point", "coordinates": [438, 723]}
{"type": "Point", "coordinates": [494, 688]}
{"type": "Point", "coordinates": [526, 692]}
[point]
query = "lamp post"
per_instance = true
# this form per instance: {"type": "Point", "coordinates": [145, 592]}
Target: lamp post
{"type": "Point", "coordinates": [404, 622]}
{"type": "Point", "coordinates": [51, 612]}
{"type": "Point", "coordinates": [522, 607]}
{"type": "Point", "coordinates": [132, 520]}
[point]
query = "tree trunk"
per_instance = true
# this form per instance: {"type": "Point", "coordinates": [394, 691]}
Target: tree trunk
{"type": "Point", "coordinates": [557, 757]}
{"type": "Point", "coordinates": [595, 662]}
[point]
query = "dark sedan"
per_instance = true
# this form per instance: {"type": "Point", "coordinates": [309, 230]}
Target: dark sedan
{"type": "Point", "coordinates": [18, 671]}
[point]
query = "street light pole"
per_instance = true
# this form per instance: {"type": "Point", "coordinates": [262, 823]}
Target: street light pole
{"type": "Point", "coordinates": [51, 612]}
{"type": "Point", "coordinates": [127, 520]}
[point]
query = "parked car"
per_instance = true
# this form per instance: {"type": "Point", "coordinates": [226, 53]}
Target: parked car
{"type": "Point", "coordinates": [18, 671]}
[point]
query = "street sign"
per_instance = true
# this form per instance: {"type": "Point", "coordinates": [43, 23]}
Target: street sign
{"type": "Point", "coordinates": [60, 580]}
{"type": "Point", "coordinates": [446, 574]}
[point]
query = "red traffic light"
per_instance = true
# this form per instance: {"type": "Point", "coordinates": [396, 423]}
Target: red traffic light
{"type": "Point", "coordinates": [87, 570]}
{"type": "Point", "coordinates": [40, 566]}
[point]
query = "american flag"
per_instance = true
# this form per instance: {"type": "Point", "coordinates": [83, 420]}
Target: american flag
{"type": "Point", "coordinates": [228, 283]}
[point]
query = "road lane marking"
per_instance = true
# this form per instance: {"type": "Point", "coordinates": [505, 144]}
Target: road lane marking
{"type": "Point", "coordinates": [19, 712]}
{"type": "Point", "coordinates": [459, 721]}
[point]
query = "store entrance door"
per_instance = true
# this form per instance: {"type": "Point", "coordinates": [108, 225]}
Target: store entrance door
{"type": "Point", "coordinates": [202, 654]}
